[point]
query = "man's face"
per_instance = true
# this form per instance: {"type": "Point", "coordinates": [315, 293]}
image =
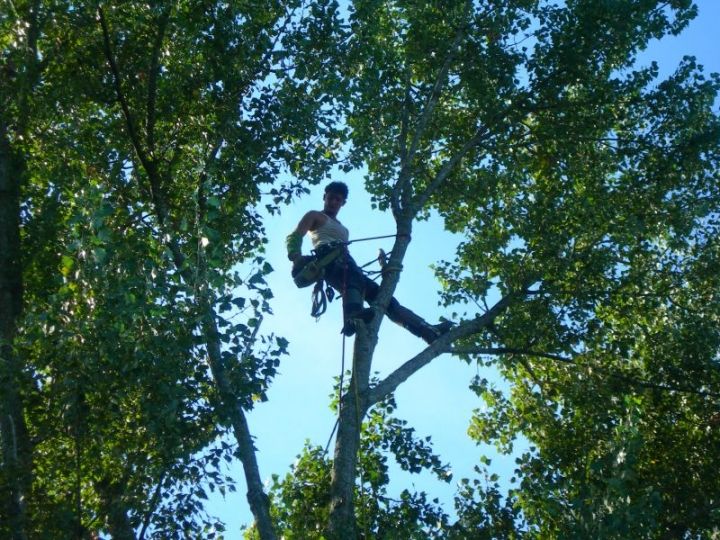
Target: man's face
{"type": "Point", "coordinates": [333, 202]}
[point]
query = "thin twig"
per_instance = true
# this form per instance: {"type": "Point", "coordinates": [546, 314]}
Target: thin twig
{"type": "Point", "coordinates": [497, 351]}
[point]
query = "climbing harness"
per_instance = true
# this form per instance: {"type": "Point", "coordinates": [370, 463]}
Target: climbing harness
{"type": "Point", "coordinates": [311, 269]}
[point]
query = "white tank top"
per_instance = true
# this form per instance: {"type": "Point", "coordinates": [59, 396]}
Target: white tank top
{"type": "Point", "coordinates": [329, 232]}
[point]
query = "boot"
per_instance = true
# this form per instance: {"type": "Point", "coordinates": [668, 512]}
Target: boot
{"type": "Point", "coordinates": [355, 312]}
{"type": "Point", "coordinates": [415, 324]}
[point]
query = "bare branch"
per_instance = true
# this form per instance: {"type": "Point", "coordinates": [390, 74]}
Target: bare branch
{"type": "Point", "coordinates": [465, 329]}
{"type": "Point", "coordinates": [449, 165]}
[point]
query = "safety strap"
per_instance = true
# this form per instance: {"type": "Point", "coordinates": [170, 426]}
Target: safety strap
{"type": "Point", "coordinates": [330, 256]}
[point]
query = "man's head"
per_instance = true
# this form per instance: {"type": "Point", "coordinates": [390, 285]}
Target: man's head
{"type": "Point", "coordinates": [335, 196]}
{"type": "Point", "coordinates": [337, 187]}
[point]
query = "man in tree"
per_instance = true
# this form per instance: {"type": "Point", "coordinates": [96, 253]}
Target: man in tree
{"type": "Point", "coordinates": [343, 273]}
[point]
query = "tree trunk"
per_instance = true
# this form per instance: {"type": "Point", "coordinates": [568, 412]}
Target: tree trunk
{"type": "Point", "coordinates": [354, 405]}
{"type": "Point", "coordinates": [342, 524]}
{"type": "Point", "coordinates": [258, 500]}
{"type": "Point", "coordinates": [230, 404]}
{"type": "Point", "coordinates": [15, 474]}
{"type": "Point", "coordinates": [231, 407]}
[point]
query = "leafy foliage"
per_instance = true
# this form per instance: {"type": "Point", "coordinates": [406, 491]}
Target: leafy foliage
{"type": "Point", "coordinates": [148, 134]}
{"type": "Point", "coordinates": [585, 190]}
{"type": "Point", "coordinates": [301, 499]}
{"type": "Point", "coordinates": [137, 141]}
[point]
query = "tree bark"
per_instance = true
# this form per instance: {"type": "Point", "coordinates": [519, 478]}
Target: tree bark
{"type": "Point", "coordinates": [342, 505]}
{"type": "Point", "coordinates": [16, 450]}
{"type": "Point", "coordinates": [353, 406]}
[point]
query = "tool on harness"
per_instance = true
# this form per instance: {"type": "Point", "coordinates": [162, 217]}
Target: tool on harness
{"type": "Point", "coordinates": [309, 270]}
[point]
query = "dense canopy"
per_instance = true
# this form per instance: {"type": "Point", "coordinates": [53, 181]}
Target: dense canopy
{"type": "Point", "coordinates": [142, 146]}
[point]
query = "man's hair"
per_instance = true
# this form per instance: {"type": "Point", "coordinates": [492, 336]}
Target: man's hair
{"type": "Point", "coordinates": [337, 187]}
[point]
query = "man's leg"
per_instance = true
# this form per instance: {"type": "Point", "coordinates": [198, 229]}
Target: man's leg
{"type": "Point", "coordinates": [406, 318]}
{"type": "Point", "coordinates": [344, 276]}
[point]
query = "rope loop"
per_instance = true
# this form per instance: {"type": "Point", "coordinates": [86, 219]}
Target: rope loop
{"type": "Point", "coordinates": [319, 299]}
{"type": "Point", "coordinates": [392, 268]}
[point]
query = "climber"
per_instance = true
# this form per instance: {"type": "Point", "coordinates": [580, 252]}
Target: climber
{"type": "Point", "coordinates": [343, 274]}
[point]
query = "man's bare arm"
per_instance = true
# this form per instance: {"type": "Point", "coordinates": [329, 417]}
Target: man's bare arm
{"type": "Point", "coordinates": [309, 222]}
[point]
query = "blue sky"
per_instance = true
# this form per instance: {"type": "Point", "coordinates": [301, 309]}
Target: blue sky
{"type": "Point", "coordinates": [436, 401]}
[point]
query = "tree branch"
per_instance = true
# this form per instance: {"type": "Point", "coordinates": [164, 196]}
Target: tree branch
{"type": "Point", "coordinates": [129, 121]}
{"type": "Point", "coordinates": [405, 125]}
{"type": "Point", "coordinates": [400, 190]}
{"type": "Point", "coordinates": [404, 165]}
{"type": "Point", "coordinates": [634, 381]}
{"type": "Point", "coordinates": [152, 82]}
{"type": "Point", "coordinates": [449, 165]}
{"type": "Point", "coordinates": [441, 345]}
{"type": "Point", "coordinates": [153, 505]}
{"type": "Point", "coordinates": [434, 96]}
{"type": "Point", "coordinates": [148, 164]}
{"type": "Point", "coordinates": [258, 500]}
{"type": "Point", "coordinates": [496, 351]}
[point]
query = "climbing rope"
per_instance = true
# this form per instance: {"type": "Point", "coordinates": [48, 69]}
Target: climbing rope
{"type": "Point", "coordinates": [375, 238]}
{"type": "Point", "coordinates": [340, 391]}
{"type": "Point", "coordinates": [320, 298]}
{"type": "Point", "coordinates": [358, 418]}
{"type": "Point", "coordinates": [342, 366]}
